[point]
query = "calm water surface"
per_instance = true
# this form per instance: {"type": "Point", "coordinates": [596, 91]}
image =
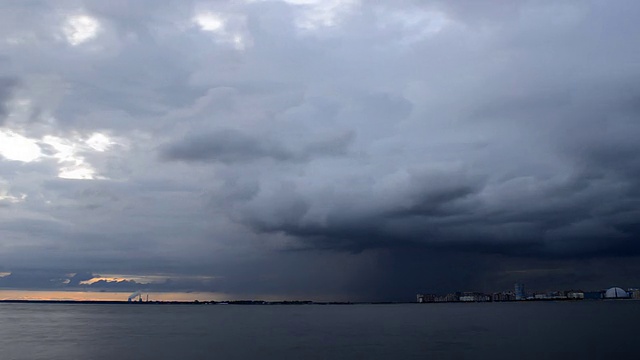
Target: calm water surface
{"type": "Point", "coordinates": [555, 330]}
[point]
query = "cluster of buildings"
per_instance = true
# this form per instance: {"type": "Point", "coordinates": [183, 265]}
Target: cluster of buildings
{"type": "Point", "coordinates": [519, 294]}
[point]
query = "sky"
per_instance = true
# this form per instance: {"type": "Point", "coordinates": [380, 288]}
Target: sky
{"type": "Point", "coordinates": [326, 150]}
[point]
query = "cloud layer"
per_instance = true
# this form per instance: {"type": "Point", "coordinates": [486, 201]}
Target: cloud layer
{"type": "Point", "coordinates": [336, 149]}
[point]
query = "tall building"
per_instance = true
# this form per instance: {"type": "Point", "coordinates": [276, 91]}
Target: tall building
{"type": "Point", "coordinates": [520, 294]}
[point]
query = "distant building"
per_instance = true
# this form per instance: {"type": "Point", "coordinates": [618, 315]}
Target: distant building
{"type": "Point", "coordinates": [468, 297]}
{"type": "Point", "coordinates": [575, 295]}
{"type": "Point", "coordinates": [556, 295]}
{"type": "Point", "coordinates": [503, 296]}
{"type": "Point", "coordinates": [453, 297]}
{"type": "Point", "coordinates": [634, 294]}
{"type": "Point", "coordinates": [448, 298]}
{"type": "Point", "coordinates": [519, 290]}
{"type": "Point", "coordinates": [474, 297]}
{"type": "Point", "coordinates": [616, 293]}
{"type": "Point", "coordinates": [425, 298]}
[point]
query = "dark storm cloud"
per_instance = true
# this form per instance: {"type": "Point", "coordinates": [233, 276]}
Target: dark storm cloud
{"type": "Point", "coordinates": [581, 216]}
{"type": "Point", "coordinates": [226, 146]}
{"type": "Point", "coordinates": [415, 214]}
{"type": "Point", "coordinates": [588, 211]}
{"type": "Point", "coordinates": [231, 146]}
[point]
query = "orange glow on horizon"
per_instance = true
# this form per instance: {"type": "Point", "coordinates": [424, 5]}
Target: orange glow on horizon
{"type": "Point", "coordinates": [107, 296]}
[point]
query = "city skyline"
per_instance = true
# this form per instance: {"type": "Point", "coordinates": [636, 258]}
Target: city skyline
{"type": "Point", "coordinates": [518, 293]}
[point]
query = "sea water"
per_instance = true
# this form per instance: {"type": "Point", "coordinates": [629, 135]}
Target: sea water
{"type": "Point", "coordinates": [523, 330]}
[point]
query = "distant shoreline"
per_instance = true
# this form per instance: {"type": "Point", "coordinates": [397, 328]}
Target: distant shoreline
{"type": "Point", "coordinates": [196, 302]}
{"type": "Point", "coordinates": [266, 303]}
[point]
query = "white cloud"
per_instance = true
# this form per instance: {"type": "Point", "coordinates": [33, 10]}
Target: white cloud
{"type": "Point", "coordinates": [16, 147]}
{"type": "Point", "coordinates": [80, 28]}
{"type": "Point", "coordinates": [99, 142]}
{"type": "Point", "coordinates": [73, 165]}
{"type": "Point", "coordinates": [226, 28]}
{"type": "Point", "coordinates": [79, 171]}
{"type": "Point", "coordinates": [209, 22]}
